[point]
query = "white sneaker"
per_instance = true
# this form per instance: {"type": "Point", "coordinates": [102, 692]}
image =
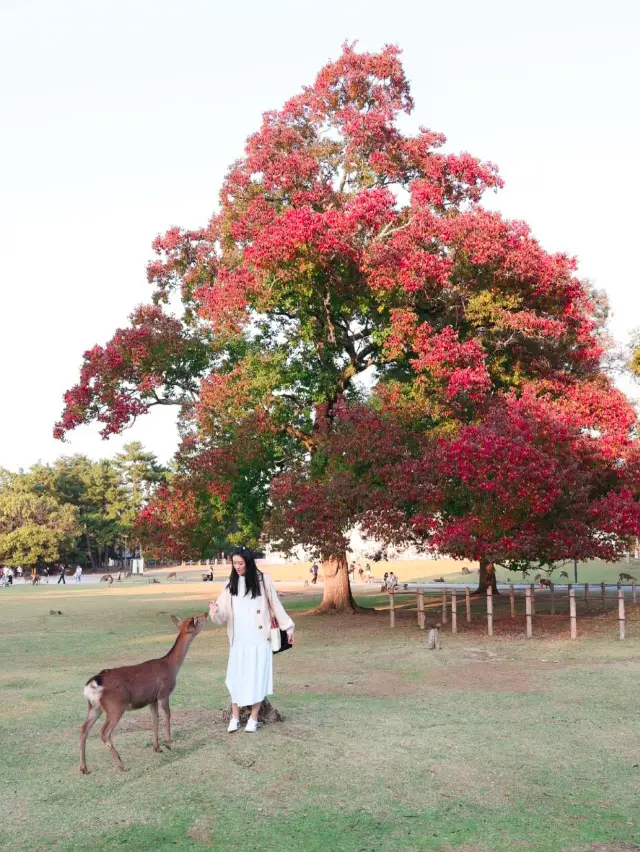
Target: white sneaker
{"type": "Point", "coordinates": [252, 726]}
{"type": "Point", "coordinates": [234, 725]}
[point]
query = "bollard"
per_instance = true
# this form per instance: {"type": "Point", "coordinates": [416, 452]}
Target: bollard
{"type": "Point", "coordinates": [454, 612]}
{"type": "Point", "coordinates": [533, 599]}
{"type": "Point", "coordinates": [603, 591]}
{"type": "Point", "coordinates": [421, 616]}
{"type": "Point", "coordinates": [572, 613]}
{"type": "Point", "coordinates": [444, 606]}
{"type": "Point", "coordinates": [553, 599]}
{"type": "Point", "coordinates": [512, 600]}
{"type": "Point", "coordinates": [490, 611]}
{"type": "Point", "coordinates": [586, 595]}
{"type": "Point", "coordinates": [621, 614]}
{"type": "Point", "coordinates": [527, 604]}
{"type": "Point", "coordinates": [633, 592]}
{"type": "Point", "coordinates": [467, 595]}
{"type": "Point", "coordinates": [392, 608]}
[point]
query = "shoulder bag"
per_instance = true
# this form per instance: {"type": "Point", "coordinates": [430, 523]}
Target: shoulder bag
{"type": "Point", "coordinates": [279, 638]}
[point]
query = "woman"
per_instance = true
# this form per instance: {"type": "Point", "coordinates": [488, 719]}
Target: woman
{"type": "Point", "coordinates": [246, 605]}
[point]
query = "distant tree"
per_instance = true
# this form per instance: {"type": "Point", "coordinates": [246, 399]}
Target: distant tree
{"type": "Point", "coordinates": [33, 527]}
{"type": "Point", "coordinates": [94, 489]}
{"type": "Point", "coordinates": [140, 476]}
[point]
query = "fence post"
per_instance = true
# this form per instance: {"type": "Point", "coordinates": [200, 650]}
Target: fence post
{"type": "Point", "coordinates": [633, 592]}
{"type": "Point", "coordinates": [553, 599]}
{"type": "Point", "coordinates": [621, 614]}
{"type": "Point", "coordinates": [527, 603]}
{"type": "Point", "coordinates": [533, 599]}
{"type": "Point", "coordinates": [586, 595]}
{"type": "Point", "coordinates": [454, 612]}
{"type": "Point", "coordinates": [444, 606]}
{"type": "Point", "coordinates": [512, 600]}
{"type": "Point", "coordinates": [467, 595]}
{"type": "Point", "coordinates": [490, 611]}
{"type": "Point", "coordinates": [392, 608]}
{"type": "Point", "coordinates": [421, 618]}
{"type": "Point", "coordinates": [604, 593]}
{"type": "Point", "coordinates": [572, 612]}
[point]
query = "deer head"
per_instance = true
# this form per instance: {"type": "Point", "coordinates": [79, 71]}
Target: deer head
{"type": "Point", "coordinates": [192, 625]}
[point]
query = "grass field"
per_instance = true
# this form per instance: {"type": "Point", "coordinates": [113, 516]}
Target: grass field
{"type": "Point", "coordinates": [486, 745]}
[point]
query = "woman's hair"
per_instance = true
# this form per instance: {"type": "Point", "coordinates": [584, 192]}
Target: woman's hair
{"type": "Point", "coordinates": [251, 578]}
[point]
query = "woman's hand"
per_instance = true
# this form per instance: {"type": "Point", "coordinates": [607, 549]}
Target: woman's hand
{"type": "Point", "coordinates": [292, 640]}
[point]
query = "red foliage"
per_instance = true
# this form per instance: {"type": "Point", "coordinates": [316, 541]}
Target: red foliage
{"type": "Point", "coordinates": [124, 379]}
{"type": "Point", "coordinates": [538, 479]}
{"type": "Point", "coordinates": [342, 244]}
{"type": "Point", "coordinates": [167, 524]}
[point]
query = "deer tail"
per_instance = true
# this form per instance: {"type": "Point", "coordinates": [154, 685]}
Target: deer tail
{"type": "Point", "coordinates": [93, 691]}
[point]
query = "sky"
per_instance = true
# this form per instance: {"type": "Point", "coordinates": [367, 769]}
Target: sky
{"type": "Point", "coordinates": [119, 120]}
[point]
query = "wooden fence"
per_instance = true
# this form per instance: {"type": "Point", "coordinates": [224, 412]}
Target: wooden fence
{"type": "Point", "coordinates": [446, 603]}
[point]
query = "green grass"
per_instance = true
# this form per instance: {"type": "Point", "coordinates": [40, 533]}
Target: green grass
{"type": "Point", "coordinates": [384, 745]}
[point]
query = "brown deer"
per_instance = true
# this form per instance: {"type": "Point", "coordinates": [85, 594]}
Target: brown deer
{"type": "Point", "coordinates": [132, 687]}
{"type": "Point", "coordinates": [106, 578]}
{"type": "Point", "coordinates": [173, 575]}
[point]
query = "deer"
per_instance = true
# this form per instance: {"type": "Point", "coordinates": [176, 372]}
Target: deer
{"type": "Point", "coordinates": [106, 578]}
{"type": "Point", "coordinates": [564, 575]}
{"type": "Point", "coordinates": [433, 642]}
{"type": "Point", "coordinates": [622, 577]}
{"type": "Point", "coordinates": [173, 575]}
{"type": "Point", "coordinates": [113, 691]}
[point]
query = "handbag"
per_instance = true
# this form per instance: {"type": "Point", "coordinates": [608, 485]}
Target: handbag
{"type": "Point", "coordinates": [279, 638]}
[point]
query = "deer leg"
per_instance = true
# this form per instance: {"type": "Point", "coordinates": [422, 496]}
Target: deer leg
{"type": "Point", "coordinates": [93, 714]}
{"type": "Point", "coordinates": [156, 719]}
{"type": "Point", "coordinates": [164, 703]}
{"type": "Point", "coordinates": [113, 717]}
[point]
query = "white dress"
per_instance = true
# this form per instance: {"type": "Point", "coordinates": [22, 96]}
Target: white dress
{"type": "Point", "coordinates": [250, 668]}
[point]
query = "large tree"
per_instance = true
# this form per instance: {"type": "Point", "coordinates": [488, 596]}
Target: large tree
{"type": "Point", "coordinates": [539, 479]}
{"type": "Point", "coordinates": [345, 256]}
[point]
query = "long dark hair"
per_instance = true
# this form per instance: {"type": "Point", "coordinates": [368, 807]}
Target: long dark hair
{"type": "Point", "coordinates": [251, 578]}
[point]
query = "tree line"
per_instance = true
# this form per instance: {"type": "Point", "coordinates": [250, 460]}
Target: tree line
{"type": "Point", "coordinates": [76, 510]}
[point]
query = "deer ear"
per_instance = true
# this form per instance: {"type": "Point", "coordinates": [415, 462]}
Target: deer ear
{"type": "Point", "coordinates": [176, 621]}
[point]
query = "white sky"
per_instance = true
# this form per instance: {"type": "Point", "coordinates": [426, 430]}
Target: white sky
{"type": "Point", "coordinates": [119, 119]}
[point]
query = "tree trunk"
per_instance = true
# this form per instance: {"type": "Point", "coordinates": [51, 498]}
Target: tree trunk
{"type": "Point", "coordinates": [487, 578]}
{"type": "Point", "coordinates": [90, 552]}
{"type": "Point", "coordinates": [337, 588]}
{"type": "Point", "coordinates": [267, 715]}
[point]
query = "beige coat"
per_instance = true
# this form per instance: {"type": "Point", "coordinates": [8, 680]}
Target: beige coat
{"type": "Point", "coordinates": [222, 611]}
